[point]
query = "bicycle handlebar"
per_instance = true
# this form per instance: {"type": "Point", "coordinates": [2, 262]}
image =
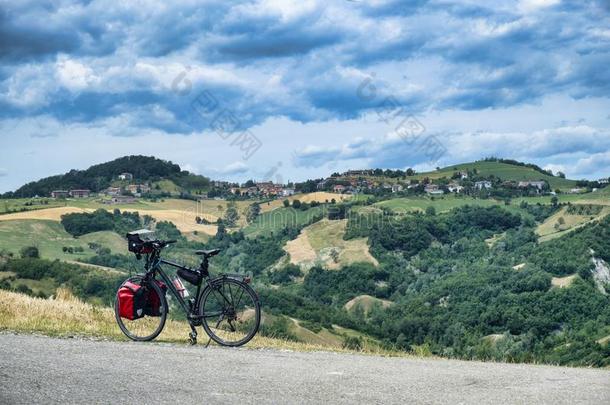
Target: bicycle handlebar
{"type": "Point", "coordinates": [160, 244]}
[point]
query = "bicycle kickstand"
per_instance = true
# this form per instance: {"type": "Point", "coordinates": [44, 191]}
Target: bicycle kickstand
{"type": "Point", "coordinates": [193, 336]}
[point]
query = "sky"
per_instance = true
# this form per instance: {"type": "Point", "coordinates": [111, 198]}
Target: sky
{"type": "Point", "coordinates": [289, 90]}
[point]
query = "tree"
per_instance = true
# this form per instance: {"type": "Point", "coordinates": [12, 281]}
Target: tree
{"type": "Point", "coordinates": [334, 254]}
{"type": "Point", "coordinates": [561, 174]}
{"type": "Point", "coordinates": [231, 215]}
{"type": "Point", "coordinates": [555, 201]}
{"type": "Point", "coordinates": [29, 252]}
{"type": "Point", "coordinates": [296, 204]}
{"type": "Point", "coordinates": [286, 203]}
{"type": "Point", "coordinates": [253, 212]}
{"type": "Point", "coordinates": [431, 211]}
{"type": "Point", "coordinates": [222, 230]}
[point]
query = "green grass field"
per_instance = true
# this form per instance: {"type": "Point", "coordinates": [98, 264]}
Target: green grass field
{"type": "Point", "coordinates": [280, 218]}
{"type": "Point", "coordinates": [441, 204]}
{"type": "Point", "coordinates": [109, 239]}
{"type": "Point", "coordinates": [503, 171]}
{"type": "Point", "coordinates": [48, 236]}
{"type": "Point", "coordinates": [19, 204]}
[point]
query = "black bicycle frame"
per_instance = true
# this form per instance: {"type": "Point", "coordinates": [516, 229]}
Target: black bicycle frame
{"type": "Point", "coordinates": [153, 267]}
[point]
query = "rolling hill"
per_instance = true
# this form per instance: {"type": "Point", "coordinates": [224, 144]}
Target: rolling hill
{"type": "Point", "coordinates": [503, 171]}
{"type": "Point", "coordinates": [98, 177]}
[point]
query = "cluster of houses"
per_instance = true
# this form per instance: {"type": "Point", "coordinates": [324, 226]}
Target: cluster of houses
{"type": "Point", "coordinates": [77, 193]}
{"type": "Point", "coordinates": [264, 189]}
{"type": "Point", "coordinates": [350, 182]}
{"type": "Point", "coordinates": [118, 195]}
{"type": "Point", "coordinates": [355, 185]}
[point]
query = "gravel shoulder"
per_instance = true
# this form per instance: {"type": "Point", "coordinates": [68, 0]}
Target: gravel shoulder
{"type": "Point", "coordinates": [36, 369]}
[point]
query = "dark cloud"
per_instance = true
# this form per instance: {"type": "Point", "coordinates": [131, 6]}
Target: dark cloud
{"type": "Point", "coordinates": [303, 61]}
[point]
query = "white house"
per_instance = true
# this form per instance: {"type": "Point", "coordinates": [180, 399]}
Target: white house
{"type": "Point", "coordinates": [397, 188]}
{"type": "Point", "coordinates": [480, 185]}
{"type": "Point", "coordinates": [431, 188]}
{"type": "Point", "coordinates": [538, 184]}
{"type": "Point", "coordinates": [455, 188]}
{"type": "Point", "coordinates": [126, 176]}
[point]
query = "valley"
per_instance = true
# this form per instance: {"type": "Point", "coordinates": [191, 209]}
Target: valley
{"type": "Point", "coordinates": [374, 261]}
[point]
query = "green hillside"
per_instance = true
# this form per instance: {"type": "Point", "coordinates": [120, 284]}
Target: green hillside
{"type": "Point", "coordinates": [96, 178]}
{"type": "Point", "coordinates": [48, 236]}
{"type": "Point", "coordinates": [502, 171]}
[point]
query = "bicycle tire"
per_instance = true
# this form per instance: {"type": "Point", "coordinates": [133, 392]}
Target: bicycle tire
{"type": "Point", "coordinates": [205, 299]}
{"type": "Point", "coordinates": [162, 318]}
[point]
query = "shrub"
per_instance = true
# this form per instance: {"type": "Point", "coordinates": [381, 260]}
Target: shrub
{"type": "Point", "coordinates": [29, 252]}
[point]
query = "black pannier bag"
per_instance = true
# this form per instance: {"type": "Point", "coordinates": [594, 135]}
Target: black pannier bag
{"type": "Point", "coordinates": [153, 302]}
{"type": "Point", "coordinates": [136, 244]}
{"type": "Point", "coordinates": [191, 276]}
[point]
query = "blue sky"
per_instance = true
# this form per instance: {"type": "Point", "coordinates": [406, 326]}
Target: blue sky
{"type": "Point", "coordinates": [314, 86]}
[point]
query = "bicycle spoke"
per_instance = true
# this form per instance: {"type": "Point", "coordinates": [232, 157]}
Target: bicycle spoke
{"type": "Point", "coordinates": [231, 295]}
{"type": "Point", "coordinates": [240, 297]}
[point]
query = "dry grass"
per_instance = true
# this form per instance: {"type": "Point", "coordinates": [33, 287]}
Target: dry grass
{"type": "Point", "coordinates": [563, 282]}
{"type": "Point", "coordinates": [316, 243]}
{"type": "Point", "coordinates": [320, 196]}
{"type": "Point", "coordinates": [183, 218]}
{"type": "Point", "coordinates": [53, 214]}
{"type": "Point", "coordinates": [300, 250]}
{"type": "Point", "coordinates": [66, 315]}
{"type": "Point", "coordinates": [548, 230]}
{"type": "Point", "coordinates": [366, 303]}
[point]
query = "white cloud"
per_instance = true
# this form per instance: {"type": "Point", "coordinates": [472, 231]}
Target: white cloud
{"type": "Point", "coordinates": [598, 164]}
{"type": "Point", "coordinates": [533, 5]}
{"type": "Point", "coordinates": [74, 75]}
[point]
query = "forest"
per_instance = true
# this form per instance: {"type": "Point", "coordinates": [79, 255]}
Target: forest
{"type": "Point", "coordinates": [470, 283]}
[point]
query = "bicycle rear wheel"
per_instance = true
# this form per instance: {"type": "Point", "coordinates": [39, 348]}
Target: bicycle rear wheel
{"type": "Point", "coordinates": [230, 312]}
{"type": "Point", "coordinates": [148, 327]}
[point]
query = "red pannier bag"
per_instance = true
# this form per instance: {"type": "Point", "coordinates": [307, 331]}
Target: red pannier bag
{"type": "Point", "coordinates": [132, 301]}
{"type": "Point", "coordinates": [153, 302]}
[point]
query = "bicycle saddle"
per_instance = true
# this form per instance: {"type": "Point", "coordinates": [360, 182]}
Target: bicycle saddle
{"type": "Point", "coordinates": [207, 253]}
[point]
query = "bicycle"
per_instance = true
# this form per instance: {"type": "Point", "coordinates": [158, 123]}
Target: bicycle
{"type": "Point", "coordinates": [226, 306]}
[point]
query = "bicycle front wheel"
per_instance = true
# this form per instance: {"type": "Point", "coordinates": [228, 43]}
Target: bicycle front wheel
{"type": "Point", "coordinates": [230, 312]}
{"type": "Point", "coordinates": [149, 326]}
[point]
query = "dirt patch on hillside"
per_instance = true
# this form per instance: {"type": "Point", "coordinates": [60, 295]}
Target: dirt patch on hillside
{"type": "Point", "coordinates": [322, 244]}
{"type": "Point", "coordinates": [563, 282]}
{"type": "Point", "coordinates": [300, 250]}
{"type": "Point", "coordinates": [366, 302]}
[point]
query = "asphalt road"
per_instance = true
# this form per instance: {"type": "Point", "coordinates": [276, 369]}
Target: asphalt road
{"type": "Point", "coordinates": [45, 370]}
